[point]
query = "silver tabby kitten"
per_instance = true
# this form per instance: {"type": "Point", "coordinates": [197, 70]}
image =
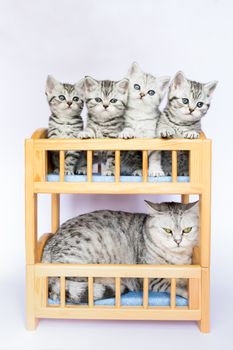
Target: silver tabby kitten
{"type": "Point", "coordinates": [166, 236]}
{"type": "Point", "coordinates": [106, 102]}
{"type": "Point", "coordinates": [141, 116]}
{"type": "Point", "coordinates": [66, 104]}
{"type": "Point", "coordinates": [188, 103]}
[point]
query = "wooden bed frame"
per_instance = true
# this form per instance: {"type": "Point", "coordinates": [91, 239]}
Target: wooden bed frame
{"type": "Point", "coordinates": [37, 273]}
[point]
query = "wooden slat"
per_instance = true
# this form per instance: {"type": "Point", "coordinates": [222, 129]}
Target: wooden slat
{"type": "Point", "coordinates": [204, 324]}
{"type": "Point", "coordinates": [55, 211]}
{"type": "Point", "coordinates": [185, 198]}
{"type": "Point", "coordinates": [145, 165]}
{"type": "Point", "coordinates": [117, 166]}
{"type": "Point", "coordinates": [62, 165]}
{"type": "Point", "coordinates": [124, 145]}
{"type": "Point", "coordinates": [62, 291]}
{"type": "Point", "coordinates": [90, 292]}
{"type": "Point", "coordinates": [174, 166]}
{"type": "Point", "coordinates": [173, 293]}
{"type": "Point", "coordinates": [89, 166]}
{"type": "Point", "coordinates": [114, 270]}
{"type": "Point", "coordinates": [40, 245]}
{"type": "Point", "coordinates": [118, 292]}
{"type": "Point", "coordinates": [194, 293]}
{"type": "Point", "coordinates": [117, 188]}
{"type": "Point", "coordinates": [145, 292]}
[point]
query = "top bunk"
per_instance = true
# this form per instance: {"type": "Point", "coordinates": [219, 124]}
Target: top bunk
{"type": "Point", "coordinates": [41, 179]}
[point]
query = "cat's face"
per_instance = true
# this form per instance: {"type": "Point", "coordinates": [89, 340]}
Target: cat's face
{"type": "Point", "coordinates": [188, 99]}
{"type": "Point", "coordinates": [174, 226]}
{"type": "Point", "coordinates": [65, 100]}
{"type": "Point", "coordinates": [145, 90]}
{"type": "Point", "coordinates": [106, 99]}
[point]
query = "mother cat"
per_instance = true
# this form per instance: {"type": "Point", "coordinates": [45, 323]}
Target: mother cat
{"type": "Point", "coordinates": [166, 236]}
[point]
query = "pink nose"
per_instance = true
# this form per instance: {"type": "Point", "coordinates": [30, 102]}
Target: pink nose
{"type": "Point", "coordinates": [142, 94]}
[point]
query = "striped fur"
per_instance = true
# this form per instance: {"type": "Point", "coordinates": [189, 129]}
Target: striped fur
{"type": "Point", "coordinates": [66, 104]}
{"type": "Point", "coordinates": [106, 102]}
{"type": "Point", "coordinates": [141, 116]}
{"type": "Point", "coordinates": [115, 237]}
{"type": "Point", "coordinates": [188, 102]}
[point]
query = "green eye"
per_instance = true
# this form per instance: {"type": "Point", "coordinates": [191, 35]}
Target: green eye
{"type": "Point", "coordinates": [61, 97]}
{"type": "Point", "coordinates": [185, 101]}
{"type": "Point", "coordinates": [187, 229]}
{"type": "Point", "coordinates": [167, 230]}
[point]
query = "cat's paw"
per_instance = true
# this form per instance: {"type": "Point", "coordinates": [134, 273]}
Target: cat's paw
{"type": "Point", "coordinates": [86, 134]}
{"type": "Point", "coordinates": [81, 171]}
{"type": "Point", "coordinates": [166, 133]}
{"type": "Point", "coordinates": [137, 172]}
{"type": "Point", "coordinates": [69, 172]}
{"type": "Point", "coordinates": [182, 292]}
{"type": "Point", "coordinates": [156, 173]}
{"type": "Point", "coordinates": [108, 173]}
{"type": "Point", "coordinates": [191, 134]}
{"type": "Point", "coordinates": [127, 134]}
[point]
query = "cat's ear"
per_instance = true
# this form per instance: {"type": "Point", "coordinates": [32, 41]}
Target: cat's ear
{"type": "Point", "coordinates": [90, 84]}
{"type": "Point", "coordinates": [51, 82]}
{"type": "Point", "coordinates": [80, 87]}
{"type": "Point", "coordinates": [154, 208]}
{"type": "Point", "coordinates": [210, 87]}
{"type": "Point", "coordinates": [179, 79]}
{"type": "Point", "coordinates": [134, 69]}
{"type": "Point", "coordinates": [192, 207]}
{"type": "Point", "coordinates": [122, 85]}
{"type": "Point", "coordinates": [163, 83]}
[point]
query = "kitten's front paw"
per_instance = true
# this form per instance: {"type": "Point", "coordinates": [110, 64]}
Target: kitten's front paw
{"type": "Point", "coordinates": [191, 134]}
{"type": "Point", "coordinates": [81, 171]}
{"type": "Point", "coordinates": [156, 173]}
{"type": "Point", "coordinates": [86, 135]}
{"type": "Point", "coordinates": [127, 134]}
{"type": "Point", "coordinates": [137, 172]}
{"type": "Point", "coordinates": [69, 172]}
{"type": "Point", "coordinates": [108, 173]}
{"type": "Point", "coordinates": [166, 133]}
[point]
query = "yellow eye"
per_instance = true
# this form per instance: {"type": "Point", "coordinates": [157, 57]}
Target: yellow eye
{"type": "Point", "coordinates": [168, 230]}
{"type": "Point", "coordinates": [187, 230]}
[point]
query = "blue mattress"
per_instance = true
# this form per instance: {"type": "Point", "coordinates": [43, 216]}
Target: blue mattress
{"type": "Point", "coordinates": [136, 299]}
{"type": "Point", "coordinates": [100, 178]}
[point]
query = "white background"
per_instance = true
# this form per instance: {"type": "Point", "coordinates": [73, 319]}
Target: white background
{"type": "Point", "coordinates": [70, 39]}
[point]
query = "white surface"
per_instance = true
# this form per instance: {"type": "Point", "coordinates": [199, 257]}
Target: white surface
{"type": "Point", "coordinates": [70, 39]}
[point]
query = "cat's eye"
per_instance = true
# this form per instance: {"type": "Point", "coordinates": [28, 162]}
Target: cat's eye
{"type": "Point", "coordinates": [61, 97]}
{"type": "Point", "coordinates": [75, 98]}
{"type": "Point", "coordinates": [113, 100]}
{"type": "Point", "coordinates": [151, 92]}
{"type": "Point", "coordinates": [187, 229]}
{"type": "Point", "coordinates": [185, 101]}
{"type": "Point", "coordinates": [167, 230]}
{"type": "Point", "coordinates": [137, 87]}
{"type": "Point", "coordinates": [199, 104]}
{"type": "Point", "coordinates": [98, 99]}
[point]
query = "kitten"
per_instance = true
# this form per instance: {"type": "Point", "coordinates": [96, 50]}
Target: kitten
{"type": "Point", "coordinates": [166, 236]}
{"type": "Point", "coordinates": [66, 104]}
{"type": "Point", "coordinates": [142, 113]}
{"type": "Point", "coordinates": [188, 103]}
{"type": "Point", "coordinates": [106, 102]}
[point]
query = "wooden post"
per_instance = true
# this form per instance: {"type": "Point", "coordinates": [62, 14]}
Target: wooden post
{"type": "Point", "coordinates": [117, 166]}
{"type": "Point", "coordinates": [174, 166]}
{"type": "Point", "coordinates": [62, 166]}
{"type": "Point", "coordinates": [145, 292]}
{"type": "Point", "coordinates": [55, 210]}
{"type": "Point", "coordinates": [89, 166]}
{"type": "Point", "coordinates": [144, 165]}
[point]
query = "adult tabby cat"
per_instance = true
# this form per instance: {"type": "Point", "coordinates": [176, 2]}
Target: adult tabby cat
{"type": "Point", "coordinates": [66, 104]}
{"type": "Point", "coordinates": [166, 236]}
{"type": "Point", "coordinates": [141, 116]}
{"type": "Point", "coordinates": [188, 103]}
{"type": "Point", "coordinates": [106, 102]}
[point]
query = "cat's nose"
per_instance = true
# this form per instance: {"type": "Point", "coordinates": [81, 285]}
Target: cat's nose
{"type": "Point", "coordinates": [178, 241]}
{"type": "Point", "coordinates": [105, 106]}
{"type": "Point", "coordinates": [69, 103]}
{"type": "Point", "coordinates": [191, 110]}
{"type": "Point", "coordinates": [142, 94]}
